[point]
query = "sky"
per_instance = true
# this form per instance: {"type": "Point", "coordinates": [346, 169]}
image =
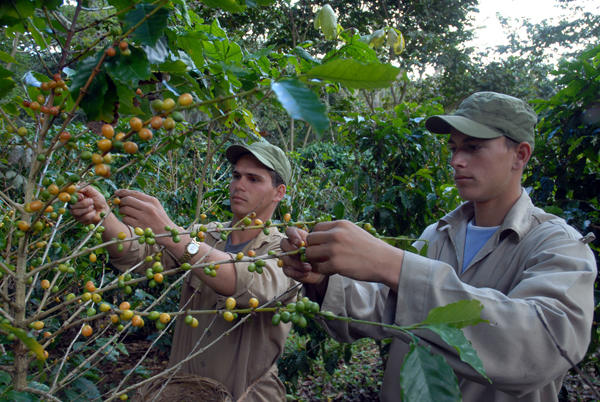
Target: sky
{"type": "Point", "coordinates": [491, 33]}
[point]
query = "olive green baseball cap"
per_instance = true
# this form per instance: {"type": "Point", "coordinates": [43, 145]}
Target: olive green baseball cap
{"type": "Point", "coordinates": [269, 155]}
{"type": "Point", "coordinates": [489, 115]}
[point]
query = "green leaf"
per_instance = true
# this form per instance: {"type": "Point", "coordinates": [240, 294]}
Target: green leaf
{"type": "Point", "coordinates": [11, 13]}
{"type": "Point", "coordinates": [427, 378]}
{"type": "Point", "coordinates": [119, 5]}
{"type": "Point", "coordinates": [14, 396]}
{"type": "Point", "coordinates": [191, 43]}
{"type": "Point", "coordinates": [131, 69]}
{"type": "Point", "coordinates": [359, 51]}
{"type": "Point", "coordinates": [87, 388]}
{"type": "Point", "coordinates": [6, 85]}
{"type": "Point", "coordinates": [356, 75]}
{"type": "Point", "coordinates": [93, 100]}
{"type": "Point", "coordinates": [459, 314]}
{"type": "Point", "coordinates": [11, 108]}
{"type": "Point", "coordinates": [305, 55]}
{"type": "Point", "coordinates": [52, 4]}
{"type": "Point", "coordinates": [159, 52]}
{"type": "Point", "coordinates": [259, 53]}
{"type": "Point", "coordinates": [174, 67]}
{"type": "Point", "coordinates": [326, 20]}
{"type": "Point", "coordinates": [456, 338]}
{"type": "Point", "coordinates": [151, 29]}
{"type": "Point", "coordinates": [228, 5]}
{"type": "Point", "coordinates": [301, 103]}
{"type": "Point", "coordinates": [7, 58]}
{"type": "Point", "coordinates": [31, 343]}
{"type": "Point", "coordinates": [338, 210]}
{"type": "Point", "coordinates": [5, 377]}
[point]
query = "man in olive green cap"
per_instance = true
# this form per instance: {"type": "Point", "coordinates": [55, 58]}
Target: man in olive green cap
{"type": "Point", "coordinates": [532, 272]}
{"type": "Point", "coordinates": [244, 361]}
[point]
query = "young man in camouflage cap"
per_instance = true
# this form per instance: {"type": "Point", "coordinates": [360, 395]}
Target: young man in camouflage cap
{"type": "Point", "coordinates": [244, 360]}
{"type": "Point", "coordinates": [528, 268]}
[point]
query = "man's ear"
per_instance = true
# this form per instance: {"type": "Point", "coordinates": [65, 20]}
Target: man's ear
{"type": "Point", "coordinates": [279, 193]}
{"type": "Point", "coordinates": [523, 154]}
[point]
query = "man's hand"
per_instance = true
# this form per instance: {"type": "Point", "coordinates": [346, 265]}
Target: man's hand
{"type": "Point", "coordinates": [89, 206]}
{"type": "Point", "coordinates": [343, 248]}
{"type": "Point", "coordinates": [141, 210]}
{"type": "Point", "coordinates": [293, 267]}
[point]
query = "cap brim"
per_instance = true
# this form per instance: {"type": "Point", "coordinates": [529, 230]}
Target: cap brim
{"type": "Point", "coordinates": [234, 152]}
{"type": "Point", "coordinates": [444, 125]}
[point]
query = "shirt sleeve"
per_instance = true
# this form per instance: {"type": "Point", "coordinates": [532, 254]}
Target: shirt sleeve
{"type": "Point", "coordinates": [518, 353]}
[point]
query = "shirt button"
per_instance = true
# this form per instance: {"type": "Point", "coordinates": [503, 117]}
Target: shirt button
{"type": "Point", "coordinates": [208, 333]}
{"type": "Point", "coordinates": [202, 364]}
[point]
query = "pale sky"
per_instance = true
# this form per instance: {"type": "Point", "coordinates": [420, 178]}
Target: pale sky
{"type": "Point", "coordinates": [491, 33]}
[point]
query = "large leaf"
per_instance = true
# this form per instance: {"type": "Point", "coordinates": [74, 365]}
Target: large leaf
{"type": "Point", "coordinates": [15, 396]}
{"type": "Point", "coordinates": [191, 43]}
{"type": "Point", "coordinates": [356, 75]}
{"type": "Point", "coordinates": [301, 103]}
{"type": "Point", "coordinates": [150, 31]}
{"type": "Point", "coordinates": [159, 52]}
{"type": "Point", "coordinates": [456, 338]}
{"type": "Point", "coordinates": [228, 5]}
{"type": "Point", "coordinates": [31, 343]}
{"type": "Point", "coordinates": [459, 314]}
{"type": "Point", "coordinates": [12, 12]}
{"type": "Point", "coordinates": [427, 378]}
{"type": "Point", "coordinates": [126, 96]}
{"type": "Point", "coordinates": [131, 69]}
{"type": "Point", "coordinates": [7, 58]}
{"type": "Point", "coordinates": [93, 100]}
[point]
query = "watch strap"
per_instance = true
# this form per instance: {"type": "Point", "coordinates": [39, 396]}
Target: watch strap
{"type": "Point", "coordinates": [187, 255]}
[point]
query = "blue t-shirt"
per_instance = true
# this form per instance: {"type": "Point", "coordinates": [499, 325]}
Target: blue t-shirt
{"type": "Point", "coordinates": [476, 237]}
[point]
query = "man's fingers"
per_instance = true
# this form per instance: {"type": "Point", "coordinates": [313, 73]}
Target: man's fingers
{"type": "Point", "coordinates": [133, 194]}
{"type": "Point", "coordinates": [286, 245]}
{"type": "Point", "coordinates": [323, 226]}
{"type": "Point", "coordinates": [295, 263]}
{"type": "Point", "coordinates": [296, 236]}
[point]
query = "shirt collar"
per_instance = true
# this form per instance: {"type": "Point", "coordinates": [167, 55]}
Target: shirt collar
{"type": "Point", "coordinates": [518, 219]}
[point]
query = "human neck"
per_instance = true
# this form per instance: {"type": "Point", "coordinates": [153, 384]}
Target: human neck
{"type": "Point", "coordinates": [492, 212]}
{"type": "Point", "coordinates": [242, 236]}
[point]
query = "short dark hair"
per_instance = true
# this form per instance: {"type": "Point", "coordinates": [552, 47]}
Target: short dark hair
{"type": "Point", "coordinates": [510, 143]}
{"type": "Point", "coordinates": [276, 179]}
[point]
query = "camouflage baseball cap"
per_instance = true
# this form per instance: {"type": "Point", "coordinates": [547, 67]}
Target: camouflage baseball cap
{"type": "Point", "coordinates": [489, 115]}
{"type": "Point", "coordinates": [269, 155]}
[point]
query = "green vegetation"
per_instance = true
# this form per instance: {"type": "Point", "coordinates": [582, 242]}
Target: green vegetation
{"type": "Point", "coordinates": [147, 95]}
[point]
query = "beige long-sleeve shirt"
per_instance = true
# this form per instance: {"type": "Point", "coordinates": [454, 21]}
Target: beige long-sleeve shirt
{"type": "Point", "coordinates": [535, 263]}
{"type": "Point", "coordinates": [243, 357]}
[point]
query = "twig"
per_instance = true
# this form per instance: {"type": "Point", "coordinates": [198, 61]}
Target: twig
{"type": "Point", "coordinates": [584, 377]}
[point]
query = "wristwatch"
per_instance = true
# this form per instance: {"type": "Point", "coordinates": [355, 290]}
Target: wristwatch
{"type": "Point", "coordinates": [191, 250]}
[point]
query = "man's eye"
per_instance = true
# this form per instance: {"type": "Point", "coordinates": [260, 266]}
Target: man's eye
{"type": "Point", "coordinates": [474, 147]}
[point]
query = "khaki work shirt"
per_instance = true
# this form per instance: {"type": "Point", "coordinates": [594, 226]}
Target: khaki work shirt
{"type": "Point", "coordinates": [534, 264]}
{"type": "Point", "coordinates": [250, 352]}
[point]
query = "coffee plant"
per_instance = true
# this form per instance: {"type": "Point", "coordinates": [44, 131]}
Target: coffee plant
{"type": "Point", "coordinates": [106, 97]}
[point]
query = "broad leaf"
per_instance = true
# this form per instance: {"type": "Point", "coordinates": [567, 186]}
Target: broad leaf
{"type": "Point", "coordinates": [119, 5]}
{"type": "Point", "coordinates": [456, 338]}
{"type": "Point", "coordinates": [301, 103]}
{"type": "Point", "coordinates": [459, 314]}
{"type": "Point", "coordinates": [356, 75]}
{"type": "Point", "coordinates": [12, 12]}
{"type": "Point", "coordinates": [14, 396]}
{"type": "Point", "coordinates": [191, 43]}
{"type": "Point", "coordinates": [93, 100]}
{"type": "Point", "coordinates": [228, 5]}
{"type": "Point", "coordinates": [427, 378]}
{"type": "Point", "coordinates": [131, 69]}
{"type": "Point", "coordinates": [87, 388]}
{"type": "Point", "coordinates": [31, 343]}
{"type": "Point", "coordinates": [7, 58]}
{"type": "Point", "coordinates": [151, 29]}
{"type": "Point", "coordinates": [359, 51]}
{"type": "Point", "coordinates": [6, 85]}
{"type": "Point", "coordinates": [159, 52]}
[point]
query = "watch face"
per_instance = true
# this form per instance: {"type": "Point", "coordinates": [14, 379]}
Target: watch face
{"type": "Point", "coordinates": [192, 248]}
